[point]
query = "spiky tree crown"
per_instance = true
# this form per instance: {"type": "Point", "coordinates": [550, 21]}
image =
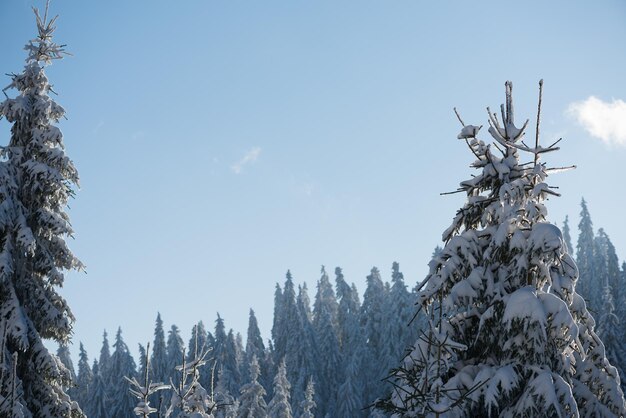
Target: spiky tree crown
{"type": "Point", "coordinates": [508, 334]}
{"type": "Point", "coordinates": [36, 181]}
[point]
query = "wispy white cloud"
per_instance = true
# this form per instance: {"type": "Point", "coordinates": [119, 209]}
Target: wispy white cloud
{"type": "Point", "coordinates": [251, 156]}
{"type": "Point", "coordinates": [603, 120]}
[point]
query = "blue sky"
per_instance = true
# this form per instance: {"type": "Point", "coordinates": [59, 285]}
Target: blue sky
{"type": "Point", "coordinates": [221, 143]}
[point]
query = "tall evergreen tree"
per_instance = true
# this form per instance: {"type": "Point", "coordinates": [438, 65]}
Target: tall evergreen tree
{"type": "Point", "coordinates": [350, 400]}
{"type": "Point", "coordinates": [199, 343]}
{"type": "Point", "coordinates": [608, 267]}
{"type": "Point", "coordinates": [37, 179]}
{"type": "Point", "coordinates": [287, 342]}
{"type": "Point", "coordinates": [175, 349]}
{"type": "Point", "coordinates": [98, 404]}
{"type": "Point", "coordinates": [280, 406]}
{"type": "Point", "coordinates": [63, 353]}
{"type": "Point", "coordinates": [509, 335]}
{"type": "Point", "coordinates": [308, 404]}
{"type": "Point", "coordinates": [374, 326]}
{"type": "Point", "coordinates": [277, 326]}
{"type": "Point", "coordinates": [350, 391]}
{"type": "Point", "coordinates": [105, 357]}
{"type": "Point", "coordinates": [306, 357]}
{"type": "Point", "coordinates": [256, 347]}
{"type": "Point", "coordinates": [158, 361]}
{"type": "Point", "coordinates": [325, 300]}
{"type": "Point", "coordinates": [254, 344]}
{"type": "Point", "coordinates": [585, 255]}
{"type": "Point", "coordinates": [400, 310]}
{"type": "Point", "coordinates": [231, 364]}
{"type": "Point", "coordinates": [227, 404]}
{"type": "Point", "coordinates": [84, 379]}
{"type": "Point", "coordinates": [143, 362]}
{"type": "Point", "coordinates": [122, 366]}
{"type": "Point", "coordinates": [325, 313]}
{"type": "Point", "coordinates": [251, 402]}
{"type": "Point", "coordinates": [609, 328]}
{"type": "Point", "coordinates": [567, 237]}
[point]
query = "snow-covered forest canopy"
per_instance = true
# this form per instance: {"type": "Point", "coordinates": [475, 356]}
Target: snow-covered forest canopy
{"type": "Point", "coordinates": [333, 337]}
{"type": "Point", "coordinates": [519, 314]}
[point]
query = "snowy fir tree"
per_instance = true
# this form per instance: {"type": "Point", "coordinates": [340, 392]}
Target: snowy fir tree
{"type": "Point", "coordinates": [227, 405]}
{"type": "Point", "coordinates": [175, 348]}
{"type": "Point", "coordinates": [610, 329]}
{"type": "Point", "coordinates": [567, 237]}
{"type": "Point", "coordinates": [374, 329]}
{"type": "Point", "coordinates": [145, 388]}
{"type": "Point", "coordinates": [105, 357]}
{"type": "Point", "coordinates": [308, 404]}
{"type": "Point", "coordinates": [190, 399]}
{"type": "Point", "coordinates": [251, 401]}
{"type": "Point", "coordinates": [585, 260]}
{"type": "Point", "coordinates": [158, 362]}
{"type": "Point", "coordinates": [400, 310]}
{"type": "Point", "coordinates": [308, 352]}
{"type": "Point", "coordinates": [143, 360]}
{"type": "Point", "coordinates": [350, 400]}
{"type": "Point", "coordinates": [98, 405]}
{"type": "Point", "coordinates": [37, 179]}
{"type": "Point", "coordinates": [280, 405]}
{"type": "Point", "coordinates": [122, 367]}
{"type": "Point", "coordinates": [225, 356]}
{"type": "Point", "coordinates": [254, 346]}
{"type": "Point", "coordinates": [199, 343]}
{"type": "Point", "coordinates": [84, 378]}
{"type": "Point", "coordinates": [63, 353]}
{"type": "Point", "coordinates": [508, 335]}
{"type": "Point", "coordinates": [328, 362]}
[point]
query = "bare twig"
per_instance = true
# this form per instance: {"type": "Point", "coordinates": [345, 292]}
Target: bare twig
{"type": "Point", "coordinates": [459, 117]}
{"type": "Point", "coordinates": [538, 119]}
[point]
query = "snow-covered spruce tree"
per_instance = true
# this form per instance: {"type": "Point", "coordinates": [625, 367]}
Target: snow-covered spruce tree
{"type": "Point", "coordinates": [254, 346]}
{"type": "Point", "coordinates": [567, 237]}
{"type": "Point", "coordinates": [175, 347]}
{"type": "Point", "coordinates": [143, 360]}
{"type": "Point", "coordinates": [587, 286]}
{"type": "Point", "coordinates": [189, 398]}
{"type": "Point", "coordinates": [84, 378]}
{"type": "Point", "coordinates": [609, 327]}
{"type": "Point", "coordinates": [251, 402]}
{"type": "Point", "coordinates": [280, 405]}
{"type": "Point", "coordinates": [508, 336]}
{"type": "Point", "coordinates": [145, 388]}
{"type": "Point", "coordinates": [199, 343]}
{"type": "Point", "coordinates": [105, 357]}
{"type": "Point", "coordinates": [308, 353]}
{"type": "Point", "coordinates": [350, 401]}
{"type": "Point", "coordinates": [232, 362]}
{"type": "Point", "coordinates": [400, 311]}
{"type": "Point", "coordinates": [122, 367]}
{"type": "Point", "coordinates": [227, 404]}
{"type": "Point", "coordinates": [158, 361]}
{"type": "Point", "coordinates": [98, 401]}
{"type": "Point", "coordinates": [37, 179]}
{"type": "Point", "coordinates": [374, 328]}
{"type": "Point", "coordinates": [63, 353]}
{"type": "Point", "coordinates": [308, 404]}
{"type": "Point", "coordinates": [328, 362]}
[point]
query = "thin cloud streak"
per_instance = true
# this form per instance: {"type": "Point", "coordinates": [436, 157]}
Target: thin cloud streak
{"type": "Point", "coordinates": [251, 156]}
{"type": "Point", "coordinates": [603, 120]}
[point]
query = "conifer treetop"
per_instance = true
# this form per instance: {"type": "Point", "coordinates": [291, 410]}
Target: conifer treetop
{"type": "Point", "coordinates": [507, 335]}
